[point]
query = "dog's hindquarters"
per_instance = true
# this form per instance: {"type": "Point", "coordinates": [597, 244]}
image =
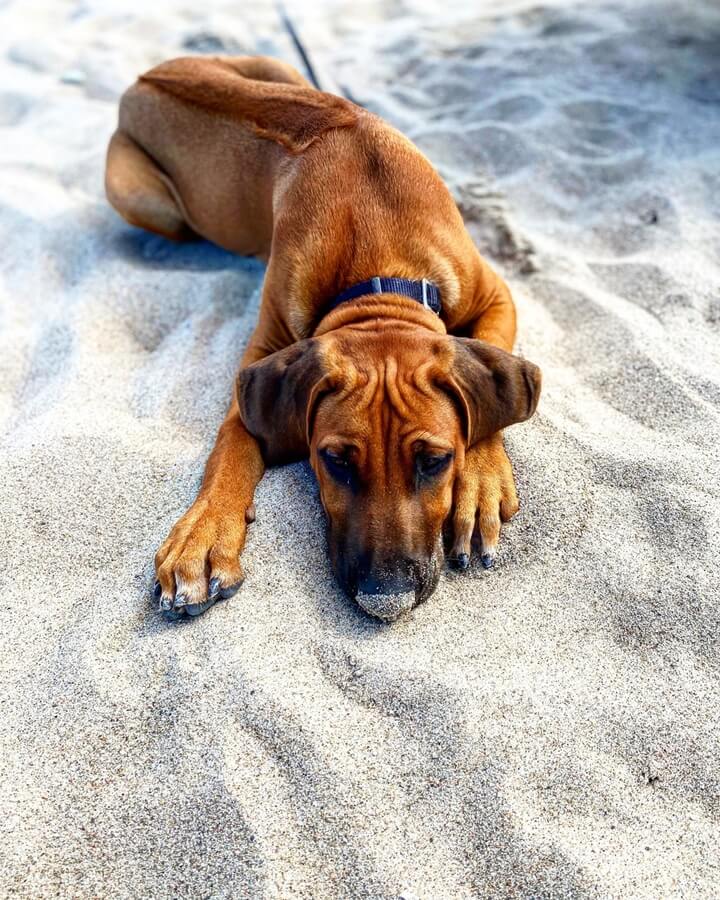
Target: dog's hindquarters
{"type": "Point", "coordinates": [199, 141]}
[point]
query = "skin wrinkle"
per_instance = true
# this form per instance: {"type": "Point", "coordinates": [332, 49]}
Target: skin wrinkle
{"type": "Point", "coordinates": [393, 388]}
{"type": "Point", "coordinates": [398, 427]}
{"type": "Point", "coordinates": [372, 386]}
{"type": "Point", "coordinates": [382, 463]}
{"type": "Point", "coordinates": [394, 415]}
{"type": "Point", "coordinates": [421, 379]}
{"type": "Point", "coordinates": [391, 400]}
{"type": "Point", "coordinates": [379, 313]}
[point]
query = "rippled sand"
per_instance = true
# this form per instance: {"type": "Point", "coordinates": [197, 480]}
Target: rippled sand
{"type": "Point", "coordinates": [549, 728]}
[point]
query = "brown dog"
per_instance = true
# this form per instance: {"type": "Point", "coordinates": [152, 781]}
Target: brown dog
{"type": "Point", "coordinates": [401, 421]}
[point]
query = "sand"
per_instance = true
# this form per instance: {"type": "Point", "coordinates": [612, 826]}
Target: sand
{"type": "Point", "coordinates": [546, 729]}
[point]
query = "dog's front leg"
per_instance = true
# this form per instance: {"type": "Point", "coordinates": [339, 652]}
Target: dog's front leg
{"type": "Point", "coordinates": [485, 493]}
{"type": "Point", "coordinates": [484, 497]}
{"type": "Point", "coordinates": [199, 562]}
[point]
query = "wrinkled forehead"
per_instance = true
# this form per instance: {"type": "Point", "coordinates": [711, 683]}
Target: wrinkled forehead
{"type": "Point", "coordinates": [388, 360]}
{"type": "Point", "coordinates": [395, 390]}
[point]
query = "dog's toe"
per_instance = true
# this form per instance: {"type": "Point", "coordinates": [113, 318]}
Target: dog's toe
{"type": "Point", "coordinates": [460, 562]}
{"type": "Point", "coordinates": [230, 591]}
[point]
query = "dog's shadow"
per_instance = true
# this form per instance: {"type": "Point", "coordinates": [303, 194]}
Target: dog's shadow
{"type": "Point", "coordinates": [143, 248]}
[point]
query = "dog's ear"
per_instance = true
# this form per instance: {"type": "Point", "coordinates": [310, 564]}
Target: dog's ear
{"type": "Point", "coordinates": [278, 396]}
{"type": "Point", "coordinates": [493, 389]}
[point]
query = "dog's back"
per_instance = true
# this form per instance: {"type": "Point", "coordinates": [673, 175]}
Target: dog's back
{"type": "Point", "coordinates": [246, 153]}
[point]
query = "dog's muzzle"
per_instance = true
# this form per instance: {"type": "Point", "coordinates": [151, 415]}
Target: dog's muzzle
{"type": "Point", "coordinates": [386, 589]}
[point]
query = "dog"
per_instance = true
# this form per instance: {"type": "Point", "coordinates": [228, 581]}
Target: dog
{"type": "Point", "coordinates": [383, 344]}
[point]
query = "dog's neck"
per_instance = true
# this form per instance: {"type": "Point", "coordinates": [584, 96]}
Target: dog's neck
{"type": "Point", "coordinates": [375, 311]}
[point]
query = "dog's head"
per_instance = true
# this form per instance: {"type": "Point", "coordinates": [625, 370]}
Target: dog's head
{"type": "Point", "coordinates": [386, 419]}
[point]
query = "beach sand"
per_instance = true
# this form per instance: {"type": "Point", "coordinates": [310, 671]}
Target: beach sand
{"type": "Point", "coordinates": [546, 729]}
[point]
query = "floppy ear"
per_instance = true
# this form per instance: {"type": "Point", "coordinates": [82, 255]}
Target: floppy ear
{"type": "Point", "coordinates": [493, 388]}
{"type": "Point", "coordinates": [277, 397]}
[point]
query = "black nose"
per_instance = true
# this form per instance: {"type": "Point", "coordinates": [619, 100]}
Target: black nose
{"type": "Point", "coordinates": [385, 576]}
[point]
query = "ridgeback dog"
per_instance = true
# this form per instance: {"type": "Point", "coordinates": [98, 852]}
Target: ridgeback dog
{"type": "Point", "coordinates": [382, 348]}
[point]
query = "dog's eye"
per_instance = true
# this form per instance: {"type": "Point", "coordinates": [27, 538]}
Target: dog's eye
{"type": "Point", "coordinates": [429, 465]}
{"type": "Point", "coordinates": [339, 466]}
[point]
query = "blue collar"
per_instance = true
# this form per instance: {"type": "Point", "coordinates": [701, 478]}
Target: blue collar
{"type": "Point", "coordinates": [424, 291]}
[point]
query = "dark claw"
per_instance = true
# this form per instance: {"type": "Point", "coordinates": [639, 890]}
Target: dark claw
{"type": "Point", "coordinates": [180, 601]}
{"type": "Point", "coordinates": [172, 615]}
{"type": "Point", "coordinates": [488, 560]}
{"type": "Point", "coordinates": [157, 590]}
{"type": "Point", "coordinates": [463, 561]}
{"type": "Point", "coordinates": [215, 593]}
{"type": "Point", "coordinates": [195, 609]}
{"type": "Point", "coordinates": [166, 604]}
{"type": "Point", "coordinates": [228, 592]}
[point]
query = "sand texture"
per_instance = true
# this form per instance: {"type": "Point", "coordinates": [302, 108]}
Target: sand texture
{"type": "Point", "coordinates": [547, 729]}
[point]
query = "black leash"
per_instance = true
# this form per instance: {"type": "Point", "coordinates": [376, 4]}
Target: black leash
{"type": "Point", "coordinates": [299, 46]}
{"type": "Point", "coordinates": [304, 55]}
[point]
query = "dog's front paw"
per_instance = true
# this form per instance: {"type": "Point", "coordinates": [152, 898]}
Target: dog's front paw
{"type": "Point", "coordinates": [199, 562]}
{"type": "Point", "coordinates": [485, 496]}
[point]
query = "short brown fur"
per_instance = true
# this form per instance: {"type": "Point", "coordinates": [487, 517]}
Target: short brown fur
{"type": "Point", "coordinates": [244, 152]}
